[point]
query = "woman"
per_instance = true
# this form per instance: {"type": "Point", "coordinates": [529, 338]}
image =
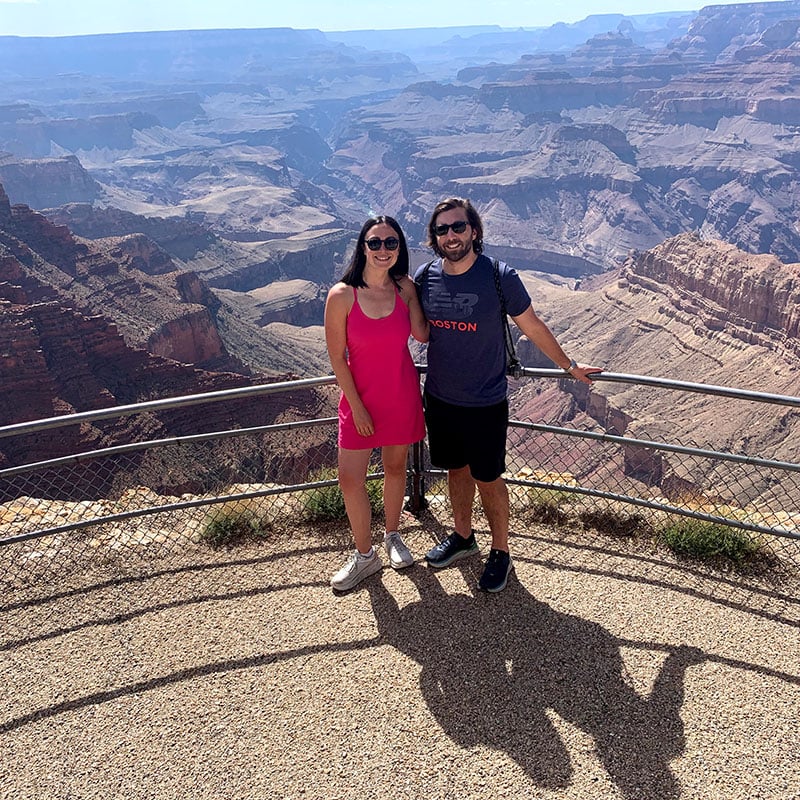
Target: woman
{"type": "Point", "coordinates": [369, 315]}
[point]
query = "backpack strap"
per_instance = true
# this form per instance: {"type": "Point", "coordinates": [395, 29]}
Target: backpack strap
{"type": "Point", "coordinates": [420, 283]}
{"type": "Point", "coordinates": [426, 269]}
{"type": "Point", "coordinates": [513, 364]}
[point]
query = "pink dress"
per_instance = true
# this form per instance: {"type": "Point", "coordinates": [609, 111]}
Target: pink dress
{"type": "Point", "coordinates": [385, 377]}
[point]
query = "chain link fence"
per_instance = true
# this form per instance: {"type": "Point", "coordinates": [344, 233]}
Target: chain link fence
{"type": "Point", "coordinates": [142, 500]}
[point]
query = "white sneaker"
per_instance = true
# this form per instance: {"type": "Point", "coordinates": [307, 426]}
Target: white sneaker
{"type": "Point", "coordinates": [355, 570]}
{"type": "Point", "coordinates": [399, 556]}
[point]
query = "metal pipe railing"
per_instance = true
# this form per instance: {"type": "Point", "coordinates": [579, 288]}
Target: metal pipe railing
{"type": "Point", "coordinates": [716, 455]}
{"type": "Point", "coordinates": [34, 426]}
{"type": "Point", "coordinates": [82, 458]}
{"type": "Point", "coordinates": [417, 469]}
{"type": "Point", "coordinates": [666, 383]}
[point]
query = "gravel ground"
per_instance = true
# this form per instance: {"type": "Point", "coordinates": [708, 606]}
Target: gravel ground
{"type": "Point", "coordinates": [599, 673]}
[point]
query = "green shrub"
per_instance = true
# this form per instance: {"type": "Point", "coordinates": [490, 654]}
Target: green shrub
{"type": "Point", "coordinates": [710, 540]}
{"type": "Point", "coordinates": [327, 502]}
{"type": "Point", "coordinates": [545, 505]}
{"type": "Point", "coordinates": [228, 524]}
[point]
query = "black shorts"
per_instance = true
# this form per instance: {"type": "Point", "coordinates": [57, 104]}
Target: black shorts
{"type": "Point", "coordinates": [460, 436]}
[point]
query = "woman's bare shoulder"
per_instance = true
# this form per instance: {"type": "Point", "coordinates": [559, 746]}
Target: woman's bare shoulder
{"type": "Point", "coordinates": [340, 293]}
{"type": "Point", "coordinates": [406, 285]}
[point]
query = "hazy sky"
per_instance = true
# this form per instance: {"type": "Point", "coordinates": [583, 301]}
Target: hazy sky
{"type": "Point", "coordinates": [73, 17]}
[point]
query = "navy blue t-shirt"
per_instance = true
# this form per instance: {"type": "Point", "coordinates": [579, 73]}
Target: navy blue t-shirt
{"type": "Point", "coordinates": [466, 350]}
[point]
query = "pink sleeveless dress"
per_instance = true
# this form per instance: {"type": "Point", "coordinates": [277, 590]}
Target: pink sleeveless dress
{"type": "Point", "coordinates": [385, 377]}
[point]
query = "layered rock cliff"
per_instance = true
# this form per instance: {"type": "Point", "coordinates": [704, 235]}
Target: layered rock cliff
{"type": "Point", "coordinates": [242, 263]}
{"type": "Point", "coordinates": [296, 302]}
{"type": "Point", "coordinates": [180, 237]}
{"type": "Point", "coordinates": [619, 133]}
{"type": "Point", "coordinates": [754, 298]}
{"type": "Point", "coordinates": [57, 361]}
{"type": "Point", "coordinates": [173, 313]}
{"type": "Point", "coordinates": [63, 351]}
{"type": "Point", "coordinates": [691, 310]}
{"type": "Point", "coordinates": [44, 182]}
{"type": "Point", "coordinates": [720, 32]}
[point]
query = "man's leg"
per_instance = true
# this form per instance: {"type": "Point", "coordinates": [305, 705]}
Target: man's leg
{"type": "Point", "coordinates": [462, 543]}
{"type": "Point", "coordinates": [446, 437]}
{"type": "Point", "coordinates": [461, 486]}
{"type": "Point", "coordinates": [494, 497]}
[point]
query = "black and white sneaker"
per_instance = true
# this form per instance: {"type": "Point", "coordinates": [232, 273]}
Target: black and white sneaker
{"type": "Point", "coordinates": [495, 573]}
{"type": "Point", "coordinates": [451, 549]}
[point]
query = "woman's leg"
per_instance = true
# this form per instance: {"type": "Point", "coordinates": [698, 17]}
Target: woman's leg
{"type": "Point", "coordinates": [352, 481]}
{"type": "Point", "coordinates": [394, 460]}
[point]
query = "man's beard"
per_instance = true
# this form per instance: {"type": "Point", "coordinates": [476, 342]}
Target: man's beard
{"type": "Point", "coordinates": [457, 254]}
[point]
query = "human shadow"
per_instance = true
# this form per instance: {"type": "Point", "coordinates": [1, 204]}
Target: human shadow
{"type": "Point", "coordinates": [493, 665]}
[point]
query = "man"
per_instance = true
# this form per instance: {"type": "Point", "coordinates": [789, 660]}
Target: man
{"type": "Point", "coordinates": [466, 409]}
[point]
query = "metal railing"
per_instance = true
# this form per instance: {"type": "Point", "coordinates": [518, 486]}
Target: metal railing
{"type": "Point", "coordinates": [140, 498]}
{"type": "Point", "coordinates": [698, 499]}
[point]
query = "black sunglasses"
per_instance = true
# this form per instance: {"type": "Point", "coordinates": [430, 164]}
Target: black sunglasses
{"type": "Point", "coordinates": [458, 227]}
{"type": "Point", "coordinates": [390, 243]}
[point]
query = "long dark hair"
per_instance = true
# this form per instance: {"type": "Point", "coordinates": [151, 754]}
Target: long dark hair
{"type": "Point", "coordinates": [473, 218]}
{"type": "Point", "coordinates": [354, 274]}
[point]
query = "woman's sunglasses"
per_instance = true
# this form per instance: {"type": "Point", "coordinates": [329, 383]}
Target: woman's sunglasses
{"type": "Point", "coordinates": [390, 243]}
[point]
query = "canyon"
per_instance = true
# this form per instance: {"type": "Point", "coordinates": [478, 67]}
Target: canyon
{"type": "Point", "coordinates": [171, 224]}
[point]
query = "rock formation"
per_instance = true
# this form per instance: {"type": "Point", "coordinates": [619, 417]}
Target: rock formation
{"type": "Point", "coordinates": [719, 32]}
{"type": "Point", "coordinates": [295, 302]}
{"type": "Point", "coordinates": [180, 237]}
{"type": "Point", "coordinates": [655, 316]}
{"type": "Point", "coordinates": [754, 298]}
{"type": "Point", "coordinates": [201, 216]}
{"type": "Point", "coordinates": [173, 313]}
{"type": "Point", "coordinates": [44, 182]}
{"type": "Point", "coordinates": [63, 352]}
{"type": "Point", "coordinates": [601, 137]}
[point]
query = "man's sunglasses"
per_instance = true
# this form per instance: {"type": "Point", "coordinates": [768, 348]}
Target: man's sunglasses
{"type": "Point", "coordinates": [390, 243]}
{"type": "Point", "coordinates": [458, 227]}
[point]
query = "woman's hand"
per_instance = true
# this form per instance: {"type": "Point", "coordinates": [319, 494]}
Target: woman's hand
{"type": "Point", "coordinates": [362, 420]}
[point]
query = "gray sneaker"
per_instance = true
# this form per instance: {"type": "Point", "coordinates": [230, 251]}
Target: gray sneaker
{"type": "Point", "coordinates": [355, 570]}
{"type": "Point", "coordinates": [451, 549]}
{"type": "Point", "coordinates": [399, 556]}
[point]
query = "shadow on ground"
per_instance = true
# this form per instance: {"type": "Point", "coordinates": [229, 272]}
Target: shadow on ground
{"type": "Point", "coordinates": [491, 669]}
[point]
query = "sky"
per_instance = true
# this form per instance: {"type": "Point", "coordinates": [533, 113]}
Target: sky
{"type": "Point", "coordinates": [79, 17]}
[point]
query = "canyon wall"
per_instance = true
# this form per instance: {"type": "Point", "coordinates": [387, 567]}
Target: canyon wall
{"type": "Point", "coordinates": [754, 298]}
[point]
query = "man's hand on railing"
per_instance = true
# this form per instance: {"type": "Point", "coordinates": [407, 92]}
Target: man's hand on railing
{"type": "Point", "coordinates": [582, 372]}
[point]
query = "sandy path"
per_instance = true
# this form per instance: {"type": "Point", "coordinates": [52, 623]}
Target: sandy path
{"type": "Point", "coordinates": [598, 673]}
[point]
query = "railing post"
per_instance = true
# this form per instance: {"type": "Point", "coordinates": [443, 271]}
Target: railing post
{"type": "Point", "coordinates": [415, 487]}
